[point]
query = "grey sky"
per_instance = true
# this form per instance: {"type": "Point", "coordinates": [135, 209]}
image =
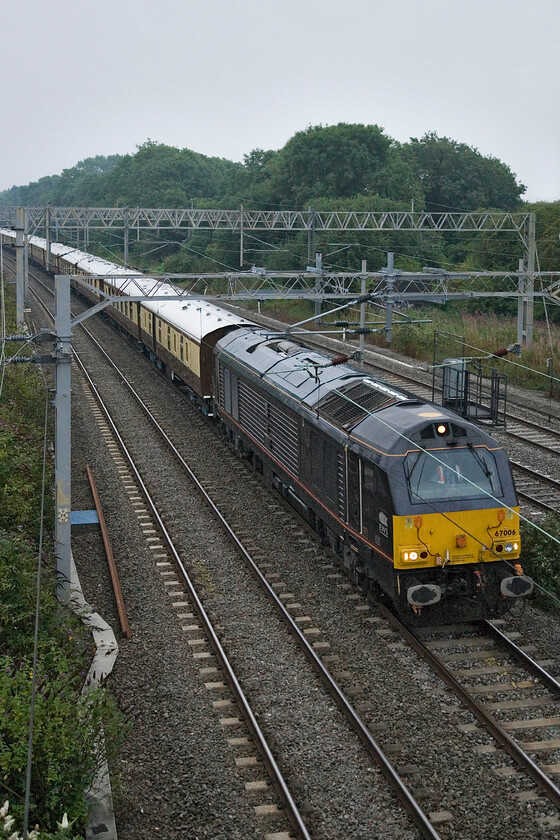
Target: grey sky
{"type": "Point", "coordinates": [224, 77]}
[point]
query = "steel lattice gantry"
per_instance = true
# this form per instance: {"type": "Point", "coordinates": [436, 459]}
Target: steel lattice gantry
{"type": "Point", "coordinates": [52, 220]}
{"type": "Point", "coordinates": [82, 218]}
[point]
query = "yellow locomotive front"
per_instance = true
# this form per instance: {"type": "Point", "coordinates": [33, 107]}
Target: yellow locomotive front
{"type": "Point", "coordinates": [456, 528]}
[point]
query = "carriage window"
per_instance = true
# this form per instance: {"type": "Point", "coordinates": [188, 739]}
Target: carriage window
{"type": "Point", "coordinates": [456, 474]}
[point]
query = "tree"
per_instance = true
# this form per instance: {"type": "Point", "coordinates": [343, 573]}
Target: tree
{"type": "Point", "coordinates": [455, 176]}
{"type": "Point", "coordinates": [159, 174]}
{"type": "Point", "coordinates": [331, 162]}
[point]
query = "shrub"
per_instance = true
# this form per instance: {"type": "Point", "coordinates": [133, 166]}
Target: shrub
{"type": "Point", "coordinates": [66, 730]}
{"type": "Point", "coordinates": [541, 554]}
{"type": "Point", "coordinates": [67, 726]}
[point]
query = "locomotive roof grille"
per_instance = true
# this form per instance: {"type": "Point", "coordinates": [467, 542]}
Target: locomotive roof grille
{"type": "Point", "coordinates": [350, 404]}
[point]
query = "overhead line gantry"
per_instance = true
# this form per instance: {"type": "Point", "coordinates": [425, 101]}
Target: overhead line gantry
{"type": "Point", "coordinates": [52, 220]}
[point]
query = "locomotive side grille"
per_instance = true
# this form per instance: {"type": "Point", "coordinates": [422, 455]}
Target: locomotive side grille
{"type": "Point", "coordinates": [341, 486]}
{"type": "Point", "coordinates": [221, 397]}
{"type": "Point", "coordinates": [252, 412]}
{"type": "Point", "coordinates": [284, 438]}
{"type": "Point", "coordinates": [272, 426]}
{"type": "Point", "coordinates": [351, 404]}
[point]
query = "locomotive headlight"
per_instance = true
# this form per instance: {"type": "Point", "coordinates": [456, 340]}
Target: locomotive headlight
{"type": "Point", "coordinates": [509, 547]}
{"type": "Point", "coordinates": [413, 555]}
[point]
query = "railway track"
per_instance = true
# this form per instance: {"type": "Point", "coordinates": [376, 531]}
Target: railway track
{"type": "Point", "coordinates": [197, 623]}
{"type": "Point", "coordinates": [520, 428]}
{"type": "Point", "coordinates": [279, 582]}
{"type": "Point", "coordinates": [533, 433]}
{"type": "Point", "coordinates": [539, 490]}
{"type": "Point", "coordinates": [484, 668]}
{"type": "Point", "coordinates": [284, 604]}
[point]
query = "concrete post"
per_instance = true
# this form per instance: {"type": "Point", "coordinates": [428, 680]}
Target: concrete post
{"type": "Point", "coordinates": [63, 356]}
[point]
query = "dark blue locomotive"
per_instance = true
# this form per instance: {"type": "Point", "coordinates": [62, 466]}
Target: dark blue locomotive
{"type": "Point", "coordinates": [419, 503]}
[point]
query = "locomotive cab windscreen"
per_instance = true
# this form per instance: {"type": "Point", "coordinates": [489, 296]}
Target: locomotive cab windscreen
{"type": "Point", "coordinates": [453, 474]}
{"type": "Point", "coordinates": [449, 466]}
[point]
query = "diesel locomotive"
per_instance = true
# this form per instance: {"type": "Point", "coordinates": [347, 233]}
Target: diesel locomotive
{"type": "Point", "coordinates": [419, 503]}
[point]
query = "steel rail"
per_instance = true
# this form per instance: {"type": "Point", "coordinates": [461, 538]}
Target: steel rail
{"type": "Point", "coordinates": [278, 780]}
{"type": "Point", "coordinates": [274, 771]}
{"type": "Point", "coordinates": [525, 438]}
{"type": "Point", "coordinates": [121, 609]}
{"type": "Point", "coordinates": [539, 479]}
{"type": "Point", "coordinates": [521, 758]}
{"type": "Point", "coordinates": [552, 684]}
{"type": "Point", "coordinates": [407, 800]}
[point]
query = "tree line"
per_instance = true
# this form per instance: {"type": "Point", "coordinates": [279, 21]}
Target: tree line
{"type": "Point", "coordinates": [341, 162]}
{"type": "Point", "coordinates": [343, 167]}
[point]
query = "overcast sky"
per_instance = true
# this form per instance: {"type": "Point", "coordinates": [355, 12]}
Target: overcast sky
{"type": "Point", "coordinates": [223, 77]}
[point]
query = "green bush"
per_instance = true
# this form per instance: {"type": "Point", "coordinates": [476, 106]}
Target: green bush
{"type": "Point", "coordinates": [67, 725]}
{"type": "Point", "coordinates": [8, 821]}
{"type": "Point", "coordinates": [66, 731]}
{"type": "Point", "coordinates": [541, 554]}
